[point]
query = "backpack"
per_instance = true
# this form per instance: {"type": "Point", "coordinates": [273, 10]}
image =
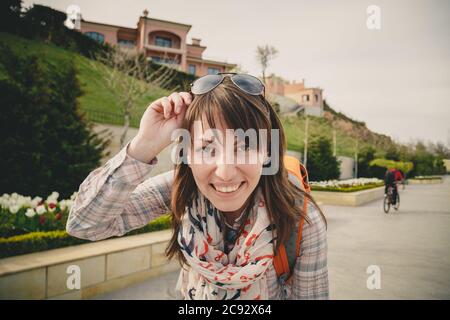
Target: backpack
{"type": "Point", "coordinates": [389, 177]}
{"type": "Point", "coordinates": [284, 261]}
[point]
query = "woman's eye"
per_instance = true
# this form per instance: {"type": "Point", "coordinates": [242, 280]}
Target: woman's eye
{"type": "Point", "coordinates": [243, 147]}
{"type": "Point", "coordinates": [211, 150]}
{"type": "Point", "coordinates": [207, 149]}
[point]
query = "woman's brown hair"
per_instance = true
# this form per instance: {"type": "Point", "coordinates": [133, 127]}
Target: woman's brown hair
{"type": "Point", "coordinates": [239, 111]}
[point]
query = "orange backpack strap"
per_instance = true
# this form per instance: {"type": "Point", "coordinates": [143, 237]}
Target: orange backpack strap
{"type": "Point", "coordinates": [284, 261]}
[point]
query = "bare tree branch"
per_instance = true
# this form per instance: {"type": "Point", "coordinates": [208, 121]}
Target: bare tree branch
{"type": "Point", "coordinates": [264, 54]}
{"type": "Point", "coordinates": [128, 76]}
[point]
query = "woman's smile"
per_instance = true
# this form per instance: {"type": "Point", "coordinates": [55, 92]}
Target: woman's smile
{"type": "Point", "coordinates": [227, 190]}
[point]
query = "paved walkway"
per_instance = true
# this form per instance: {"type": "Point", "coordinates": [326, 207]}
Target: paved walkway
{"type": "Point", "coordinates": [411, 247]}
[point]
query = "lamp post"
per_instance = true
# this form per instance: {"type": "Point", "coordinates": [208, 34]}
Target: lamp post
{"type": "Point", "coordinates": [305, 150]}
{"type": "Point", "coordinates": [356, 159]}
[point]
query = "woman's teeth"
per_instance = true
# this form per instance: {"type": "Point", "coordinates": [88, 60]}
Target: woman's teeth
{"type": "Point", "coordinates": [227, 189]}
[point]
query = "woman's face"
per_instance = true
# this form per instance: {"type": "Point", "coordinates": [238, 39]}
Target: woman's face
{"type": "Point", "coordinates": [227, 184]}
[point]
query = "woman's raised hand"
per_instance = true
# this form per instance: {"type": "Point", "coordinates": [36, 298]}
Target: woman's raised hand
{"type": "Point", "coordinates": [159, 120]}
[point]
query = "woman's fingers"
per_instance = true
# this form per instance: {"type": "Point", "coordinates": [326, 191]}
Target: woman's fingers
{"type": "Point", "coordinates": [173, 105]}
{"type": "Point", "coordinates": [177, 101]}
{"type": "Point", "coordinates": [167, 106]}
{"type": "Point", "coordinates": [186, 97]}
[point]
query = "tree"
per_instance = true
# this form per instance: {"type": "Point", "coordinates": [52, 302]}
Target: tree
{"type": "Point", "coordinates": [365, 156]}
{"type": "Point", "coordinates": [392, 153]}
{"type": "Point", "coordinates": [238, 69]}
{"type": "Point", "coordinates": [425, 163]}
{"type": "Point", "coordinates": [128, 75]}
{"type": "Point", "coordinates": [10, 15]}
{"type": "Point", "coordinates": [322, 165]}
{"type": "Point", "coordinates": [440, 149]}
{"type": "Point", "coordinates": [264, 54]}
{"type": "Point", "coordinates": [45, 143]}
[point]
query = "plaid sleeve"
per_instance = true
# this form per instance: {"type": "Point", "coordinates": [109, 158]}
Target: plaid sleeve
{"type": "Point", "coordinates": [311, 271]}
{"type": "Point", "coordinates": [119, 197]}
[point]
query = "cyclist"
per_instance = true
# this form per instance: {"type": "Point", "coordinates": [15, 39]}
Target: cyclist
{"type": "Point", "coordinates": [391, 176]}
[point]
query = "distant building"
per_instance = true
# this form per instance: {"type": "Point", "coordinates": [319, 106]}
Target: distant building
{"type": "Point", "coordinates": [162, 41]}
{"type": "Point", "coordinates": [309, 98]}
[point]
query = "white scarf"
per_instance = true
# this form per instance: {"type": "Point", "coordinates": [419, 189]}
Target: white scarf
{"type": "Point", "coordinates": [211, 273]}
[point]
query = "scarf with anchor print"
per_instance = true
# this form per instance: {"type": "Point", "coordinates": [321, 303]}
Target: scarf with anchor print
{"type": "Point", "coordinates": [212, 274]}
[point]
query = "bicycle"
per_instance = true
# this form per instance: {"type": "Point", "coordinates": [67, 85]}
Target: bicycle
{"type": "Point", "coordinates": [388, 200]}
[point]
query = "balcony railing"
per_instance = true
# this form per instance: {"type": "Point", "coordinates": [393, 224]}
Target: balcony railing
{"type": "Point", "coordinates": [163, 49]}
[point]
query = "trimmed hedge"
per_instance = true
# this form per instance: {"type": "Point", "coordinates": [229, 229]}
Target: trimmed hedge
{"type": "Point", "coordinates": [349, 189]}
{"type": "Point", "coordinates": [427, 178]}
{"type": "Point", "coordinates": [42, 241]}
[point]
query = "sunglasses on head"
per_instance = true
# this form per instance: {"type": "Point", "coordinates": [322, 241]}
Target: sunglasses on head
{"type": "Point", "coordinates": [247, 83]}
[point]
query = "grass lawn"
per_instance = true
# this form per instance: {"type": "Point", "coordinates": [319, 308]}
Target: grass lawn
{"type": "Point", "coordinates": [295, 135]}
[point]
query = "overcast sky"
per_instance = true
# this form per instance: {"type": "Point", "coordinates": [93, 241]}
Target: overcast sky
{"type": "Point", "coordinates": [396, 79]}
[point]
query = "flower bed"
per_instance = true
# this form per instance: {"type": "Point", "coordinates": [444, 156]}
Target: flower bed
{"type": "Point", "coordinates": [349, 185]}
{"type": "Point", "coordinates": [31, 225]}
{"type": "Point", "coordinates": [427, 178]}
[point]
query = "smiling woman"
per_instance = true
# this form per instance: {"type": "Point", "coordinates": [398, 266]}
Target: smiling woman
{"type": "Point", "coordinates": [229, 219]}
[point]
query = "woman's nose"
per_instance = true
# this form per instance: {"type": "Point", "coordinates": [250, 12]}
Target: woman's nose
{"type": "Point", "coordinates": [225, 171]}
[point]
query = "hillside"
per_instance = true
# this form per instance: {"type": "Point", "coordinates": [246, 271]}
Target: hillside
{"type": "Point", "coordinates": [348, 131]}
{"type": "Point", "coordinates": [97, 97]}
{"type": "Point", "coordinates": [103, 107]}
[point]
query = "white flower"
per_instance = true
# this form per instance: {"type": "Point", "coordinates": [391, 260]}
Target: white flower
{"type": "Point", "coordinates": [14, 208]}
{"type": "Point", "coordinates": [22, 201]}
{"type": "Point", "coordinates": [40, 209]}
{"type": "Point", "coordinates": [69, 204]}
{"type": "Point", "coordinates": [346, 183]}
{"type": "Point", "coordinates": [35, 201]}
{"type": "Point", "coordinates": [51, 205]}
{"type": "Point", "coordinates": [30, 213]}
{"type": "Point", "coordinates": [65, 204]}
{"type": "Point", "coordinates": [54, 196]}
{"type": "Point", "coordinates": [62, 204]}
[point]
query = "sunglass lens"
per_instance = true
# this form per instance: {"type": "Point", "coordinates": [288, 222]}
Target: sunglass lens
{"type": "Point", "coordinates": [249, 84]}
{"type": "Point", "coordinates": [205, 84]}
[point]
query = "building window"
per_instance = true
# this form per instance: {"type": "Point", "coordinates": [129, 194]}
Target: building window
{"type": "Point", "coordinates": [163, 42]}
{"type": "Point", "coordinates": [191, 69]}
{"type": "Point", "coordinates": [96, 36]}
{"type": "Point", "coordinates": [212, 70]}
{"type": "Point", "coordinates": [126, 43]}
{"type": "Point", "coordinates": [305, 98]}
{"type": "Point", "coordinates": [163, 60]}
{"type": "Point", "coordinates": [316, 97]}
{"type": "Point", "coordinates": [156, 59]}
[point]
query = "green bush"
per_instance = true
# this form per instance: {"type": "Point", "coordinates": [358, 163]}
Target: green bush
{"type": "Point", "coordinates": [46, 24]}
{"type": "Point", "coordinates": [41, 241]}
{"type": "Point", "coordinates": [18, 223]}
{"type": "Point", "coordinates": [44, 142]}
{"type": "Point", "coordinates": [426, 162]}
{"type": "Point", "coordinates": [321, 163]}
{"type": "Point", "coordinates": [379, 166]}
{"type": "Point", "coordinates": [365, 156]}
{"type": "Point", "coordinates": [427, 178]}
